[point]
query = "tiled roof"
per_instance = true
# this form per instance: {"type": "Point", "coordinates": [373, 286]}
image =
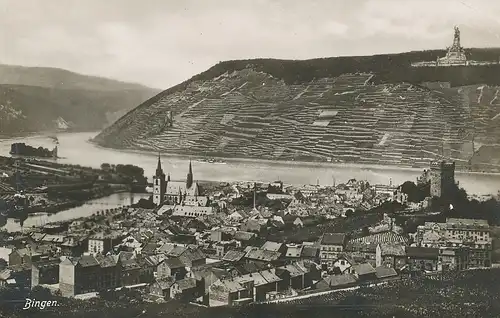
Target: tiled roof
{"type": "Point", "coordinates": [363, 269]}
{"type": "Point", "coordinates": [340, 280]}
{"type": "Point", "coordinates": [250, 267]}
{"type": "Point", "coordinates": [88, 261]}
{"type": "Point", "coordinates": [294, 269]}
{"type": "Point", "coordinates": [233, 256]}
{"type": "Point", "coordinates": [205, 271]}
{"type": "Point", "coordinates": [310, 251]}
{"type": "Point", "coordinates": [333, 239]}
{"type": "Point", "coordinates": [362, 247]}
{"type": "Point", "coordinates": [130, 264]}
{"type": "Point", "coordinates": [107, 261]}
{"type": "Point", "coordinates": [384, 272]}
{"type": "Point", "coordinates": [383, 237]}
{"type": "Point", "coordinates": [124, 256]}
{"type": "Point", "coordinates": [347, 258]}
{"type": "Point", "coordinates": [26, 251]}
{"type": "Point", "coordinates": [257, 279]}
{"type": "Point", "coordinates": [466, 223]}
{"type": "Point", "coordinates": [294, 251]}
{"type": "Point", "coordinates": [154, 260]}
{"type": "Point", "coordinates": [53, 238]}
{"type": "Point", "coordinates": [173, 262]}
{"type": "Point", "coordinates": [186, 283]}
{"type": "Point", "coordinates": [392, 249]}
{"type": "Point", "coordinates": [165, 282]}
{"type": "Point", "coordinates": [5, 274]}
{"type": "Point", "coordinates": [194, 254]}
{"type": "Point", "coordinates": [262, 255]}
{"type": "Point", "coordinates": [244, 236]}
{"type": "Point", "coordinates": [149, 248]}
{"type": "Point", "coordinates": [175, 250]}
{"type": "Point", "coordinates": [230, 285]}
{"type": "Point", "coordinates": [269, 276]}
{"type": "Point", "coordinates": [271, 246]}
{"type": "Point", "coordinates": [422, 252]}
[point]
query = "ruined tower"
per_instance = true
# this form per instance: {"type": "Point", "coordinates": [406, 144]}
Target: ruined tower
{"type": "Point", "coordinates": [442, 175]}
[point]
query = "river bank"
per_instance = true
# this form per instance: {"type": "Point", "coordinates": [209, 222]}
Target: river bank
{"type": "Point", "coordinates": [87, 209]}
{"type": "Point", "coordinates": [53, 208]}
{"type": "Point", "coordinates": [75, 149]}
{"type": "Point", "coordinates": [298, 163]}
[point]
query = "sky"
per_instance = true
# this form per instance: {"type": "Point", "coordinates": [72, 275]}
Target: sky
{"type": "Point", "coordinates": [160, 43]}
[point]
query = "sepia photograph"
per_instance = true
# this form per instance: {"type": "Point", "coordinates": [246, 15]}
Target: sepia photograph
{"type": "Point", "coordinates": [260, 158]}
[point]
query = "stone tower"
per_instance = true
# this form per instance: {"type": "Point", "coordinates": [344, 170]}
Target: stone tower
{"type": "Point", "coordinates": [442, 175]}
{"type": "Point", "coordinates": [159, 185]}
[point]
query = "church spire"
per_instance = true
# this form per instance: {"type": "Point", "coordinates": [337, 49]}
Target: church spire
{"type": "Point", "coordinates": [189, 180]}
{"type": "Point", "coordinates": [159, 170]}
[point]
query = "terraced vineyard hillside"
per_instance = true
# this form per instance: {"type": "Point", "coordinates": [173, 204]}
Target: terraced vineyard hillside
{"type": "Point", "coordinates": [350, 117]}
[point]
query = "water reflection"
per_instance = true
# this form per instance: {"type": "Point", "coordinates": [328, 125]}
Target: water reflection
{"type": "Point", "coordinates": [89, 208]}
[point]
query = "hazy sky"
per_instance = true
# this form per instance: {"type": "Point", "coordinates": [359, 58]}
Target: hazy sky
{"type": "Point", "coordinates": [162, 42]}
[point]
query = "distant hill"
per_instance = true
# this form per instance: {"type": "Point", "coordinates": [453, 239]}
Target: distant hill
{"type": "Point", "coordinates": [370, 109]}
{"type": "Point", "coordinates": [37, 98]}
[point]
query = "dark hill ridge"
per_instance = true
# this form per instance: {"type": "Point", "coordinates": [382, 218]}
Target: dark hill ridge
{"type": "Point", "coordinates": [36, 99]}
{"type": "Point", "coordinates": [62, 79]}
{"type": "Point", "coordinates": [374, 109]}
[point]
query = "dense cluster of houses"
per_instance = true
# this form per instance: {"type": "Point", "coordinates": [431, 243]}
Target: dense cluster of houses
{"type": "Point", "coordinates": [205, 249]}
{"type": "Point", "coordinates": [228, 267]}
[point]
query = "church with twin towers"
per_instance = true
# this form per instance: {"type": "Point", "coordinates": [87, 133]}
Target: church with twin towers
{"type": "Point", "coordinates": [166, 191]}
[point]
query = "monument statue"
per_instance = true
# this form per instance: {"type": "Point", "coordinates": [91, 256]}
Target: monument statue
{"type": "Point", "coordinates": [456, 53]}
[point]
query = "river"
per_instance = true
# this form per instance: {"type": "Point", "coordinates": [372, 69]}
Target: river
{"type": "Point", "coordinates": [74, 148]}
{"type": "Point", "coordinates": [110, 202]}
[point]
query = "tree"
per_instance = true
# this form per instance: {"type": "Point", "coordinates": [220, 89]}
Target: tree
{"type": "Point", "coordinates": [365, 231]}
{"type": "Point", "coordinates": [3, 264]}
{"type": "Point", "coordinates": [416, 193]}
{"type": "Point", "coordinates": [349, 213]}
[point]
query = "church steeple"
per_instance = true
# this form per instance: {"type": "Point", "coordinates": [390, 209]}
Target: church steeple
{"type": "Point", "coordinates": [189, 180]}
{"type": "Point", "coordinates": [159, 170]}
{"type": "Point", "coordinates": [159, 184]}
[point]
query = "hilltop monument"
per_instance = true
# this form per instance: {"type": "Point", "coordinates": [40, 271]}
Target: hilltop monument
{"type": "Point", "coordinates": [454, 57]}
{"type": "Point", "coordinates": [456, 53]}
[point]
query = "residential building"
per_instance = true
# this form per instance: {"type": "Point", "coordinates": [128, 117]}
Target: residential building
{"type": "Point", "coordinates": [332, 244]}
{"type": "Point", "coordinates": [422, 258]}
{"type": "Point", "coordinates": [274, 247]}
{"type": "Point", "coordinates": [171, 267]}
{"type": "Point", "coordinates": [228, 292]}
{"type": "Point", "coordinates": [188, 289]}
{"type": "Point", "coordinates": [343, 263]}
{"type": "Point", "coordinates": [364, 272]}
{"type": "Point", "coordinates": [87, 274]}
{"type": "Point", "coordinates": [162, 287]}
{"type": "Point", "coordinates": [258, 255]}
{"type": "Point", "coordinates": [45, 272]}
{"type": "Point", "coordinates": [470, 238]}
{"type": "Point", "coordinates": [390, 255]}
{"type": "Point", "coordinates": [101, 243]}
{"type": "Point", "coordinates": [26, 256]}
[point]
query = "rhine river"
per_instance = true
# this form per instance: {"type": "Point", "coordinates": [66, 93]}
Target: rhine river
{"type": "Point", "coordinates": [74, 148]}
{"type": "Point", "coordinates": [89, 208]}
